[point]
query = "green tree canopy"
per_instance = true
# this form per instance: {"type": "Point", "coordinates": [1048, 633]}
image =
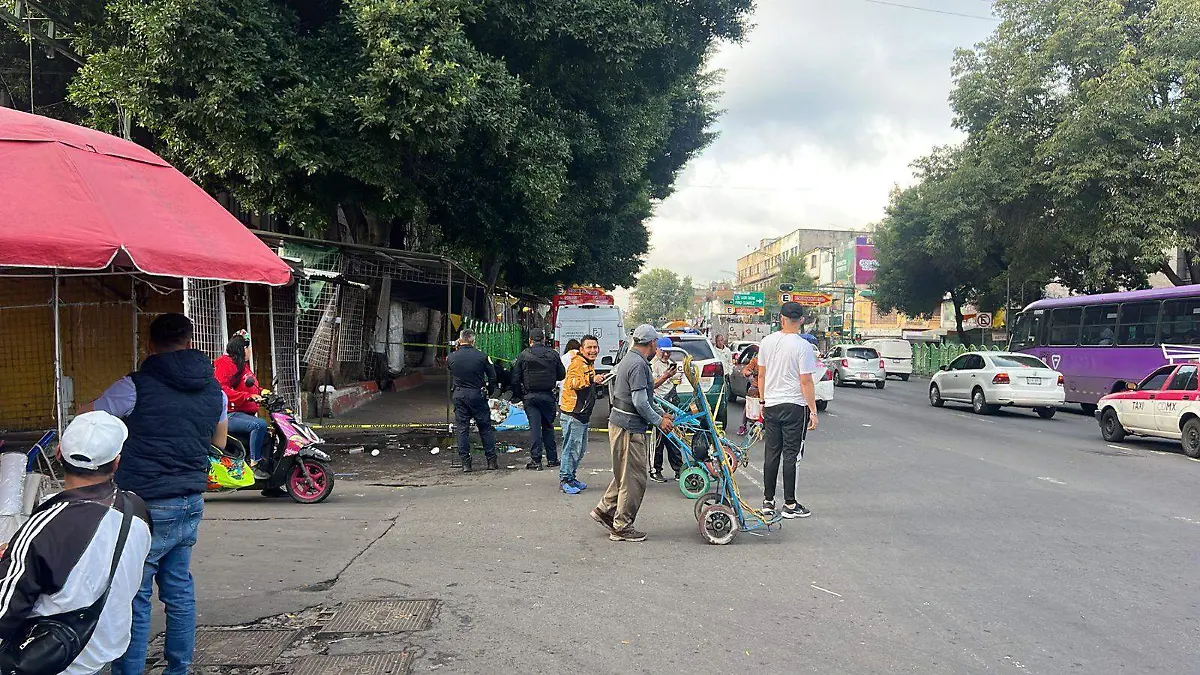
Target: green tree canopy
{"type": "Point", "coordinates": [934, 240]}
{"type": "Point", "coordinates": [1086, 115]}
{"type": "Point", "coordinates": [661, 295]}
{"type": "Point", "coordinates": [530, 139]}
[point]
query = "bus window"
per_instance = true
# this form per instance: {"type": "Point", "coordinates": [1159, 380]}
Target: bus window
{"type": "Point", "coordinates": [1099, 326]}
{"type": "Point", "coordinates": [1027, 330]}
{"type": "Point", "coordinates": [1064, 326]}
{"type": "Point", "coordinates": [1180, 322]}
{"type": "Point", "coordinates": [1139, 323]}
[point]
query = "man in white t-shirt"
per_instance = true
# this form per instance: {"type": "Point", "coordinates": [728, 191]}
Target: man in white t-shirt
{"type": "Point", "coordinates": [786, 365]}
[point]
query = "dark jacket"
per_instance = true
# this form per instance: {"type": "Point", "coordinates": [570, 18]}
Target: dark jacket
{"type": "Point", "coordinates": [171, 427]}
{"type": "Point", "coordinates": [471, 369]}
{"type": "Point", "coordinates": [537, 370]}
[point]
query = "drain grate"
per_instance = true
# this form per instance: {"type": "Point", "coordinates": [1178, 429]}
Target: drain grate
{"type": "Point", "coordinates": [243, 647]}
{"type": "Point", "coordinates": [395, 663]}
{"type": "Point", "coordinates": [382, 616]}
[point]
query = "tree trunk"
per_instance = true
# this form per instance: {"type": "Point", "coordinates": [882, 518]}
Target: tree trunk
{"type": "Point", "coordinates": [1171, 275]}
{"type": "Point", "coordinates": [432, 335]}
{"type": "Point", "coordinates": [1193, 266]}
{"type": "Point", "coordinates": [958, 318]}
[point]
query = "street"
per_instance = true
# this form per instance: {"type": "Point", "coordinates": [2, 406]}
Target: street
{"type": "Point", "coordinates": [940, 542]}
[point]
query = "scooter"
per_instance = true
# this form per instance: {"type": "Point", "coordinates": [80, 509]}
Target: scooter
{"type": "Point", "coordinates": [292, 460]}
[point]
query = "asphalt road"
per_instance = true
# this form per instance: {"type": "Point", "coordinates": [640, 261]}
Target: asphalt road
{"type": "Point", "coordinates": [940, 542]}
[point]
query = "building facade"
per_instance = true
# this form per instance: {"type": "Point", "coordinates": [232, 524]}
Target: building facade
{"type": "Point", "coordinates": [756, 271]}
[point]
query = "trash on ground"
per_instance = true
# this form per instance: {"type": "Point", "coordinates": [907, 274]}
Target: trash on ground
{"type": "Point", "coordinates": [355, 450]}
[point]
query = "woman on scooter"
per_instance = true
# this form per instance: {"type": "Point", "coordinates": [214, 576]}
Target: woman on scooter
{"type": "Point", "coordinates": [232, 370]}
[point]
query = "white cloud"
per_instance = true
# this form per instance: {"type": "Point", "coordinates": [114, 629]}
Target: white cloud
{"type": "Point", "coordinates": [826, 104]}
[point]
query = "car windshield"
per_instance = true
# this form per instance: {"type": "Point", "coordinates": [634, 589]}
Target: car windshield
{"type": "Point", "coordinates": [1018, 361]}
{"type": "Point", "coordinates": [865, 353]}
{"type": "Point", "coordinates": [699, 349]}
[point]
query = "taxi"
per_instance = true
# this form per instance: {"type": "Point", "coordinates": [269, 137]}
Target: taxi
{"type": "Point", "coordinates": [1166, 404]}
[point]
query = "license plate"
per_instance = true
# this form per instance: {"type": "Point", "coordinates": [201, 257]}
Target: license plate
{"type": "Point", "coordinates": [1035, 381]}
{"type": "Point", "coordinates": [863, 376]}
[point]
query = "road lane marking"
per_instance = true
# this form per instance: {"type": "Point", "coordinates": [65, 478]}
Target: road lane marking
{"type": "Point", "coordinates": [976, 419]}
{"type": "Point", "coordinates": [1048, 479]}
{"type": "Point", "coordinates": [826, 590]}
{"type": "Point", "coordinates": [1188, 520]}
{"type": "Point", "coordinates": [1118, 447]}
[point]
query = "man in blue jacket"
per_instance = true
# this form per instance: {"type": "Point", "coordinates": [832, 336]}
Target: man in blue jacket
{"type": "Point", "coordinates": [174, 409]}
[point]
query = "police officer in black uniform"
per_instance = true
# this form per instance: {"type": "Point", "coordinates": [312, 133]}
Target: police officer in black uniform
{"type": "Point", "coordinates": [472, 372]}
{"type": "Point", "coordinates": [536, 373]}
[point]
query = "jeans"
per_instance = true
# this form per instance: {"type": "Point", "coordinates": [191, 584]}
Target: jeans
{"type": "Point", "coordinates": [176, 524]}
{"type": "Point", "coordinates": [574, 445]}
{"type": "Point", "coordinates": [244, 423]}
{"type": "Point", "coordinates": [540, 408]}
{"type": "Point", "coordinates": [784, 427]}
{"type": "Point", "coordinates": [471, 405]}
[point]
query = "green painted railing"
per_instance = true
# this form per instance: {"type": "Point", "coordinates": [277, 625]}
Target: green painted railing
{"type": "Point", "coordinates": [927, 359]}
{"type": "Point", "coordinates": [501, 341]}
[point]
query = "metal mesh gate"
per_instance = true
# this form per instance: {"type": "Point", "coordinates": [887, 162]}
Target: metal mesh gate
{"type": "Point", "coordinates": [204, 304]}
{"type": "Point", "coordinates": [285, 375]}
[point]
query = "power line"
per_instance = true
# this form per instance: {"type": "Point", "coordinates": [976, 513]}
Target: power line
{"type": "Point", "coordinates": [933, 11]}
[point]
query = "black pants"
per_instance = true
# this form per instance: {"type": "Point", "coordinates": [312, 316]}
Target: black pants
{"type": "Point", "coordinates": [540, 407]}
{"type": "Point", "coordinates": [674, 457]}
{"type": "Point", "coordinates": [784, 426]}
{"type": "Point", "coordinates": [471, 405]}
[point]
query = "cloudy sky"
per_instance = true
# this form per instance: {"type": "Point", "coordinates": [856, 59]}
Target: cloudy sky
{"type": "Point", "coordinates": [826, 104]}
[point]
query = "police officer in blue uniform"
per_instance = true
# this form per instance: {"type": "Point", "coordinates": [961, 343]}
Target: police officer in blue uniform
{"type": "Point", "coordinates": [473, 375]}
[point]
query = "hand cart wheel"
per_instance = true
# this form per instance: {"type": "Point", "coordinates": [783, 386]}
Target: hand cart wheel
{"type": "Point", "coordinates": [718, 524]}
{"type": "Point", "coordinates": [694, 482]}
{"type": "Point", "coordinates": [707, 499]}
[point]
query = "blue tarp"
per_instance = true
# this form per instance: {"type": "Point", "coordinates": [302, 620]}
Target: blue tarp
{"type": "Point", "coordinates": [517, 420]}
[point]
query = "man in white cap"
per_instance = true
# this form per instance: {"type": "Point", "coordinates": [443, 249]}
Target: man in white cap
{"type": "Point", "coordinates": [90, 540]}
{"type": "Point", "coordinates": [633, 413]}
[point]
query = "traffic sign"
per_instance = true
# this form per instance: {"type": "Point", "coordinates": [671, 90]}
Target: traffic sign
{"type": "Point", "coordinates": [752, 299]}
{"type": "Point", "coordinates": [749, 311]}
{"type": "Point", "coordinates": [984, 319]}
{"type": "Point", "coordinates": [806, 299]}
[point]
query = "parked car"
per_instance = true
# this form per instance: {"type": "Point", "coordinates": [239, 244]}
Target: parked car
{"type": "Point", "coordinates": [897, 356]}
{"type": "Point", "coordinates": [989, 380]}
{"type": "Point", "coordinates": [739, 384]}
{"type": "Point", "coordinates": [1166, 404]}
{"type": "Point", "coordinates": [857, 365]}
{"type": "Point", "coordinates": [713, 378]}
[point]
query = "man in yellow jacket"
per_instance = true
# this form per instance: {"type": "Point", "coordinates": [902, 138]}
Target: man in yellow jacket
{"type": "Point", "coordinates": [578, 400]}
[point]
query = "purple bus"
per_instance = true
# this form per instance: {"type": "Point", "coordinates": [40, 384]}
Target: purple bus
{"type": "Point", "coordinates": [1102, 342]}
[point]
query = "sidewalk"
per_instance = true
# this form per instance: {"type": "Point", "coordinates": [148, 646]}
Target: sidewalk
{"type": "Point", "coordinates": [425, 404]}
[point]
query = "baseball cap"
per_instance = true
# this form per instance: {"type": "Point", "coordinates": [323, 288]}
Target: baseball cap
{"type": "Point", "coordinates": [92, 440]}
{"type": "Point", "coordinates": [644, 334]}
{"type": "Point", "coordinates": [537, 335]}
{"type": "Point", "coordinates": [792, 310]}
{"type": "Point", "coordinates": [664, 343]}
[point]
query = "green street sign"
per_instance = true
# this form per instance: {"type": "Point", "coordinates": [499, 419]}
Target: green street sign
{"type": "Point", "coordinates": [755, 299]}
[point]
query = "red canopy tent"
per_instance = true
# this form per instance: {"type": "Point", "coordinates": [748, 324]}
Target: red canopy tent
{"type": "Point", "coordinates": [76, 198]}
{"type": "Point", "coordinates": [76, 202]}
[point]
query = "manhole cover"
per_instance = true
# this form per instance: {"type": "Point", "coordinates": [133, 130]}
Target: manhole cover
{"type": "Point", "coordinates": [243, 647]}
{"type": "Point", "coordinates": [382, 616]}
{"type": "Point", "coordinates": [360, 664]}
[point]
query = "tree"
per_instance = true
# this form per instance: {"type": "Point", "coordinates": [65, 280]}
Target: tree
{"type": "Point", "coordinates": [1086, 113]}
{"type": "Point", "coordinates": [661, 295]}
{"type": "Point", "coordinates": [791, 271]}
{"type": "Point", "coordinates": [529, 139]}
{"type": "Point", "coordinates": [933, 242]}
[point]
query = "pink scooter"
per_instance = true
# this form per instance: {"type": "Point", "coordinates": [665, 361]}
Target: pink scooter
{"type": "Point", "coordinates": [292, 458]}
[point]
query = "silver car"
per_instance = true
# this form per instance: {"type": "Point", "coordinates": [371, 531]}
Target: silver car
{"type": "Point", "coordinates": [989, 380]}
{"type": "Point", "coordinates": [854, 364]}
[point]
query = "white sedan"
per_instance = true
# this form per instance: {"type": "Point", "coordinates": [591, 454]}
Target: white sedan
{"type": "Point", "coordinates": [990, 380]}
